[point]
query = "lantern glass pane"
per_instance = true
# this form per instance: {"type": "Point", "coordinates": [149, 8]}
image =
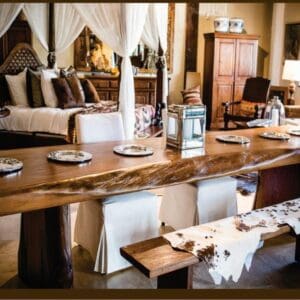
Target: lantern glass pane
{"type": "Point", "coordinates": [172, 128]}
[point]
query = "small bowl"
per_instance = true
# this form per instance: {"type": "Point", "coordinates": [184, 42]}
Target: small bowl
{"type": "Point", "coordinates": [221, 24]}
{"type": "Point", "coordinates": [236, 25]}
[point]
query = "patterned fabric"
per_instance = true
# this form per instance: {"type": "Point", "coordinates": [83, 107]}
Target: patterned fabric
{"type": "Point", "coordinates": [192, 96]}
{"type": "Point", "coordinates": [229, 244]}
{"type": "Point", "coordinates": [247, 109]}
{"type": "Point", "coordinates": [143, 113]}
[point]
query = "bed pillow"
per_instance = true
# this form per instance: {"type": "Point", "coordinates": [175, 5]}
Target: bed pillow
{"type": "Point", "coordinates": [76, 88]}
{"type": "Point", "coordinates": [64, 94]}
{"type": "Point", "coordinates": [192, 96]}
{"type": "Point", "coordinates": [34, 90]}
{"type": "Point", "coordinates": [74, 83]}
{"type": "Point", "coordinates": [47, 87]}
{"type": "Point", "coordinates": [90, 91]}
{"type": "Point", "coordinates": [17, 88]}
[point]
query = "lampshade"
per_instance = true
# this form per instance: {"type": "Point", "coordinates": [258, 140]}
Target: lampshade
{"type": "Point", "coordinates": [291, 70]}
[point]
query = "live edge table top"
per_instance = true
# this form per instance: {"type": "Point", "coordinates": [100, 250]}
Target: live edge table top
{"type": "Point", "coordinates": [43, 184]}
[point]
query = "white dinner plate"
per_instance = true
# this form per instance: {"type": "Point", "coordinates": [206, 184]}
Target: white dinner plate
{"type": "Point", "coordinates": [8, 165]}
{"type": "Point", "coordinates": [133, 150]}
{"type": "Point", "coordinates": [294, 132]}
{"type": "Point", "coordinates": [70, 156]}
{"type": "Point", "coordinates": [234, 139]}
{"type": "Point", "coordinates": [273, 135]}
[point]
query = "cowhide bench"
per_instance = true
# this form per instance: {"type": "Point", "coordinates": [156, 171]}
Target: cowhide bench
{"type": "Point", "coordinates": [173, 268]}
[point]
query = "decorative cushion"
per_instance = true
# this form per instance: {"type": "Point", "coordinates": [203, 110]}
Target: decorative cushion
{"type": "Point", "coordinates": [17, 88]}
{"type": "Point", "coordinates": [192, 96]}
{"type": "Point", "coordinates": [76, 88]}
{"type": "Point", "coordinates": [34, 90]}
{"type": "Point", "coordinates": [64, 94]}
{"type": "Point", "coordinates": [247, 108]}
{"type": "Point", "coordinates": [90, 91]}
{"type": "Point", "coordinates": [48, 89]}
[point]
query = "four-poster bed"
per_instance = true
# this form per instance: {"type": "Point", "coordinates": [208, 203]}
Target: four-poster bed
{"type": "Point", "coordinates": [54, 39]}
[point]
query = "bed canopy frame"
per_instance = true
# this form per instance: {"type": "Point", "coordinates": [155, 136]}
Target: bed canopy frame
{"type": "Point", "coordinates": [51, 61]}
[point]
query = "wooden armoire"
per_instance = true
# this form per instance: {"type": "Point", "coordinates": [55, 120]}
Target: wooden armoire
{"type": "Point", "coordinates": [229, 59]}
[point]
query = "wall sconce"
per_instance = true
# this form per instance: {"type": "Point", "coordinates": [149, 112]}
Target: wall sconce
{"type": "Point", "coordinates": [291, 72]}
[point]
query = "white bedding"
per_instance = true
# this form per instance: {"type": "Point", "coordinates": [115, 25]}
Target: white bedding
{"type": "Point", "coordinates": [56, 120]}
{"type": "Point", "coordinates": [42, 119]}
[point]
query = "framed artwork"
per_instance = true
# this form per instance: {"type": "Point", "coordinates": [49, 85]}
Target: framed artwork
{"type": "Point", "coordinates": [85, 44]}
{"type": "Point", "coordinates": [292, 41]}
{"type": "Point", "coordinates": [281, 91]}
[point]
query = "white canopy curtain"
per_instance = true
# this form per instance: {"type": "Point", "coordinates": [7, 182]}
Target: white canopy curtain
{"type": "Point", "coordinates": [120, 26]}
{"type": "Point", "coordinates": [37, 16]}
{"type": "Point", "coordinates": [155, 32]}
{"type": "Point", "coordinates": [68, 23]}
{"type": "Point", "coordinates": [8, 13]}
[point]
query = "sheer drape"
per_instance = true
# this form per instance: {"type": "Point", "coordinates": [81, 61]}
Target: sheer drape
{"type": "Point", "coordinates": [68, 23]}
{"type": "Point", "coordinates": [37, 16]}
{"type": "Point", "coordinates": [120, 26]}
{"type": "Point", "coordinates": [155, 32]}
{"type": "Point", "coordinates": [8, 13]}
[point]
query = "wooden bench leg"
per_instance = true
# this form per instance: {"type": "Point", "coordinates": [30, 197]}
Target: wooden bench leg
{"type": "Point", "coordinates": [180, 279]}
{"type": "Point", "coordinates": [297, 251]}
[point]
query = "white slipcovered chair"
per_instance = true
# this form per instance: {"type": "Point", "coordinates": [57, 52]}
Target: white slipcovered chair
{"type": "Point", "coordinates": [104, 226]}
{"type": "Point", "coordinates": [186, 205]}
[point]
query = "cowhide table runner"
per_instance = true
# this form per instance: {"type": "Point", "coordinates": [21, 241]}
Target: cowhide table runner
{"type": "Point", "coordinates": [227, 245]}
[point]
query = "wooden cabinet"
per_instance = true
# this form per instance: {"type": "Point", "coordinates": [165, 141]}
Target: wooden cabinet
{"type": "Point", "coordinates": [229, 59]}
{"type": "Point", "coordinates": [108, 86]}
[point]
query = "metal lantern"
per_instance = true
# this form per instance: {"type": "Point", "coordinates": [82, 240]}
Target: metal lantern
{"type": "Point", "coordinates": [186, 126]}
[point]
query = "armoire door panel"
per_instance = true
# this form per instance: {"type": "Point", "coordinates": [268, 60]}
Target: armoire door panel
{"type": "Point", "coordinates": [225, 56]}
{"type": "Point", "coordinates": [246, 60]}
{"type": "Point", "coordinates": [237, 96]}
{"type": "Point", "coordinates": [222, 93]}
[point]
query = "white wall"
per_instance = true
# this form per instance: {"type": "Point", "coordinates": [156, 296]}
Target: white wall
{"type": "Point", "coordinates": [177, 77]}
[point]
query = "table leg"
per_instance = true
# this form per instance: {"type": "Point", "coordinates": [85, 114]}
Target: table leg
{"type": "Point", "coordinates": [45, 248]}
{"type": "Point", "coordinates": [180, 279]}
{"type": "Point", "coordinates": [277, 185]}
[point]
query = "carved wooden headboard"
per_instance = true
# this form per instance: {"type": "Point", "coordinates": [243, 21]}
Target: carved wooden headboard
{"type": "Point", "coordinates": [20, 57]}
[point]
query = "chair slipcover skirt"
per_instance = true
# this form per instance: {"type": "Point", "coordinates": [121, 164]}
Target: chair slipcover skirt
{"type": "Point", "coordinates": [185, 205]}
{"type": "Point", "coordinates": [103, 227]}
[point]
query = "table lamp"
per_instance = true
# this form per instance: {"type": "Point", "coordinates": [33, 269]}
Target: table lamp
{"type": "Point", "coordinates": [291, 72]}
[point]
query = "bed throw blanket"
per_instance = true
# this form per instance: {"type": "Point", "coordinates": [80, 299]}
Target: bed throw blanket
{"type": "Point", "coordinates": [227, 245]}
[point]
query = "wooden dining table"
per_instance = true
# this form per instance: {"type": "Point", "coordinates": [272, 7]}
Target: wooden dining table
{"type": "Point", "coordinates": [43, 189]}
